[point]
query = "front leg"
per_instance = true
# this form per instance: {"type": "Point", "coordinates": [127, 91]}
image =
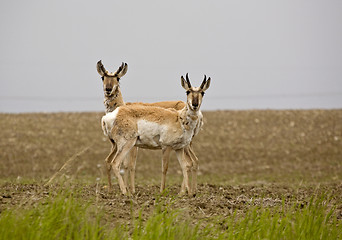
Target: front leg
{"type": "Point", "coordinates": [193, 158]}
{"type": "Point", "coordinates": [186, 168]}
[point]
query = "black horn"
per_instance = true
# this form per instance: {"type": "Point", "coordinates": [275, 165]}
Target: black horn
{"type": "Point", "coordinates": [204, 81]}
{"type": "Point", "coordinates": [120, 68]}
{"type": "Point", "coordinates": [187, 80]}
{"type": "Point", "coordinates": [101, 69]}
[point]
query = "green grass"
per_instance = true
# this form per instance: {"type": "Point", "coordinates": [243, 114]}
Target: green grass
{"type": "Point", "coordinates": [67, 216]}
{"type": "Point", "coordinates": [313, 221]}
{"type": "Point", "coordinates": [165, 224]}
{"type": "Point", "coordinates": [60, 217]}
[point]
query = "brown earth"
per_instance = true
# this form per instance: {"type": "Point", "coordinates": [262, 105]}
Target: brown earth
{"type": "Point", "coordinates": [246, 158]}
{"type": "Point", "coordinates": [212, 202]}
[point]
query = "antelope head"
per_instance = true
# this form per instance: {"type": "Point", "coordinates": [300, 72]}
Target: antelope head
{"type": "Point", "coordinates": [111, 80]}
{"type": "Point", "coordinates": [195, 94]}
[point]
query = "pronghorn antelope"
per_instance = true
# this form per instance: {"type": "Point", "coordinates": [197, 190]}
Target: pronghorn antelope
{"type": "Point", "coordinates": [114, 99]}
{"type": "Point", "coordinates": [156, 128]}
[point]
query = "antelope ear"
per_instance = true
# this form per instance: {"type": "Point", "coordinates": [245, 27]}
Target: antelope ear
{"type": "Point", "coordinates": [100, 68]}
{"type": "Point", "coordinates": [184, 83]}
{"type": "Point", "coordinates": [205, 84]}
{"type": "Point", "coordinates": [122, 70]}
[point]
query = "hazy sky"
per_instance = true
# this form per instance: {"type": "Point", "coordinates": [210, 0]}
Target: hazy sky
{"type": "Point", "coordinates": [264, 54]}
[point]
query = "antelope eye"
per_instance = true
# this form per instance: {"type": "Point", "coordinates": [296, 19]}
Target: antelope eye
{"type": "Point", "coordinates": [202, 94]}
{"type": "Point", "coordinates": [102, 78]}
{"type": "Point", "coordinates": [118, 79]}
{"type": "Point", "coordinates": [187, 92]}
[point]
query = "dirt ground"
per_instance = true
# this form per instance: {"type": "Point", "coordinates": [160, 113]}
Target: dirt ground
{"type": "Point", "coordinates": [212, 202]}
{"type": "Point", "coordinates": [247, 158]}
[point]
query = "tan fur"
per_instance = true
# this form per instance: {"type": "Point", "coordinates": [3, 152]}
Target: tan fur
{"type": "Point", "coordinates": [156, 127]}
{"type": "Point", "coordinates": [177, 105]}
{"type": "Point", "coordinates": [150, 113]}
{"type": "Point", "coordinates": [115, 100]}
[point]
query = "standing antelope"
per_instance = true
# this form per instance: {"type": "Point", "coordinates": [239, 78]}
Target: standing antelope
{"type": "Point", "coordinates": [114, 99]}
{"type": "Point", "coordinates": [155, 128]}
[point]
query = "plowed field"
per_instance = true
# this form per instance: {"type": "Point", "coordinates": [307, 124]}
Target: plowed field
{"type": "Point", "coordinates": [247, 158]}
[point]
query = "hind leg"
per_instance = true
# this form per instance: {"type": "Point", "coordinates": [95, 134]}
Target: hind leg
{"type": "Point", "coordinates": [122, 151]}
{"type": "Point", "coordinates": [134, 155]}
{"type": "Point", "coordinates": [126, 163]}
{"type": "Point", "coordinates": [165, 165]}
{"type": "Point", "coordinates": [108, 161]}
{"type": "Point", "coordinates": [129, 167]}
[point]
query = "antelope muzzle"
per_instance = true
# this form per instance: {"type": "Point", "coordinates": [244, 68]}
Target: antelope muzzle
{"type": "Point", "coordinates": [195, 102]}
{"type": "Point", "coordinates": [108, 91]}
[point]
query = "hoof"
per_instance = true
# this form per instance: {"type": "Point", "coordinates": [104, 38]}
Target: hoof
{"type": "Point", "coordinates": [133, 191]}
{"type": "Point", "coordinates": [181, 194]}
{"type": "Point", "coordinates": [109, 188]}
{"type": "Point", "coordinates": [127, 192]}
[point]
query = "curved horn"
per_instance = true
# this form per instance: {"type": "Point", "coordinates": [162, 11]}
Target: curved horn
{"type": "Point", "coordinates": [204, 82]}
{"type": "Point", "coordinates": [101, 69]}
{"type": "Point", "coordinates": [121, 70]}
{"type": "Point", "coordinates": [187, 80]}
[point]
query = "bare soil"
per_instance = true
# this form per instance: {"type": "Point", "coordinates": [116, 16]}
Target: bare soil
{"type": "Point", "coordinates": [212, 202]}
